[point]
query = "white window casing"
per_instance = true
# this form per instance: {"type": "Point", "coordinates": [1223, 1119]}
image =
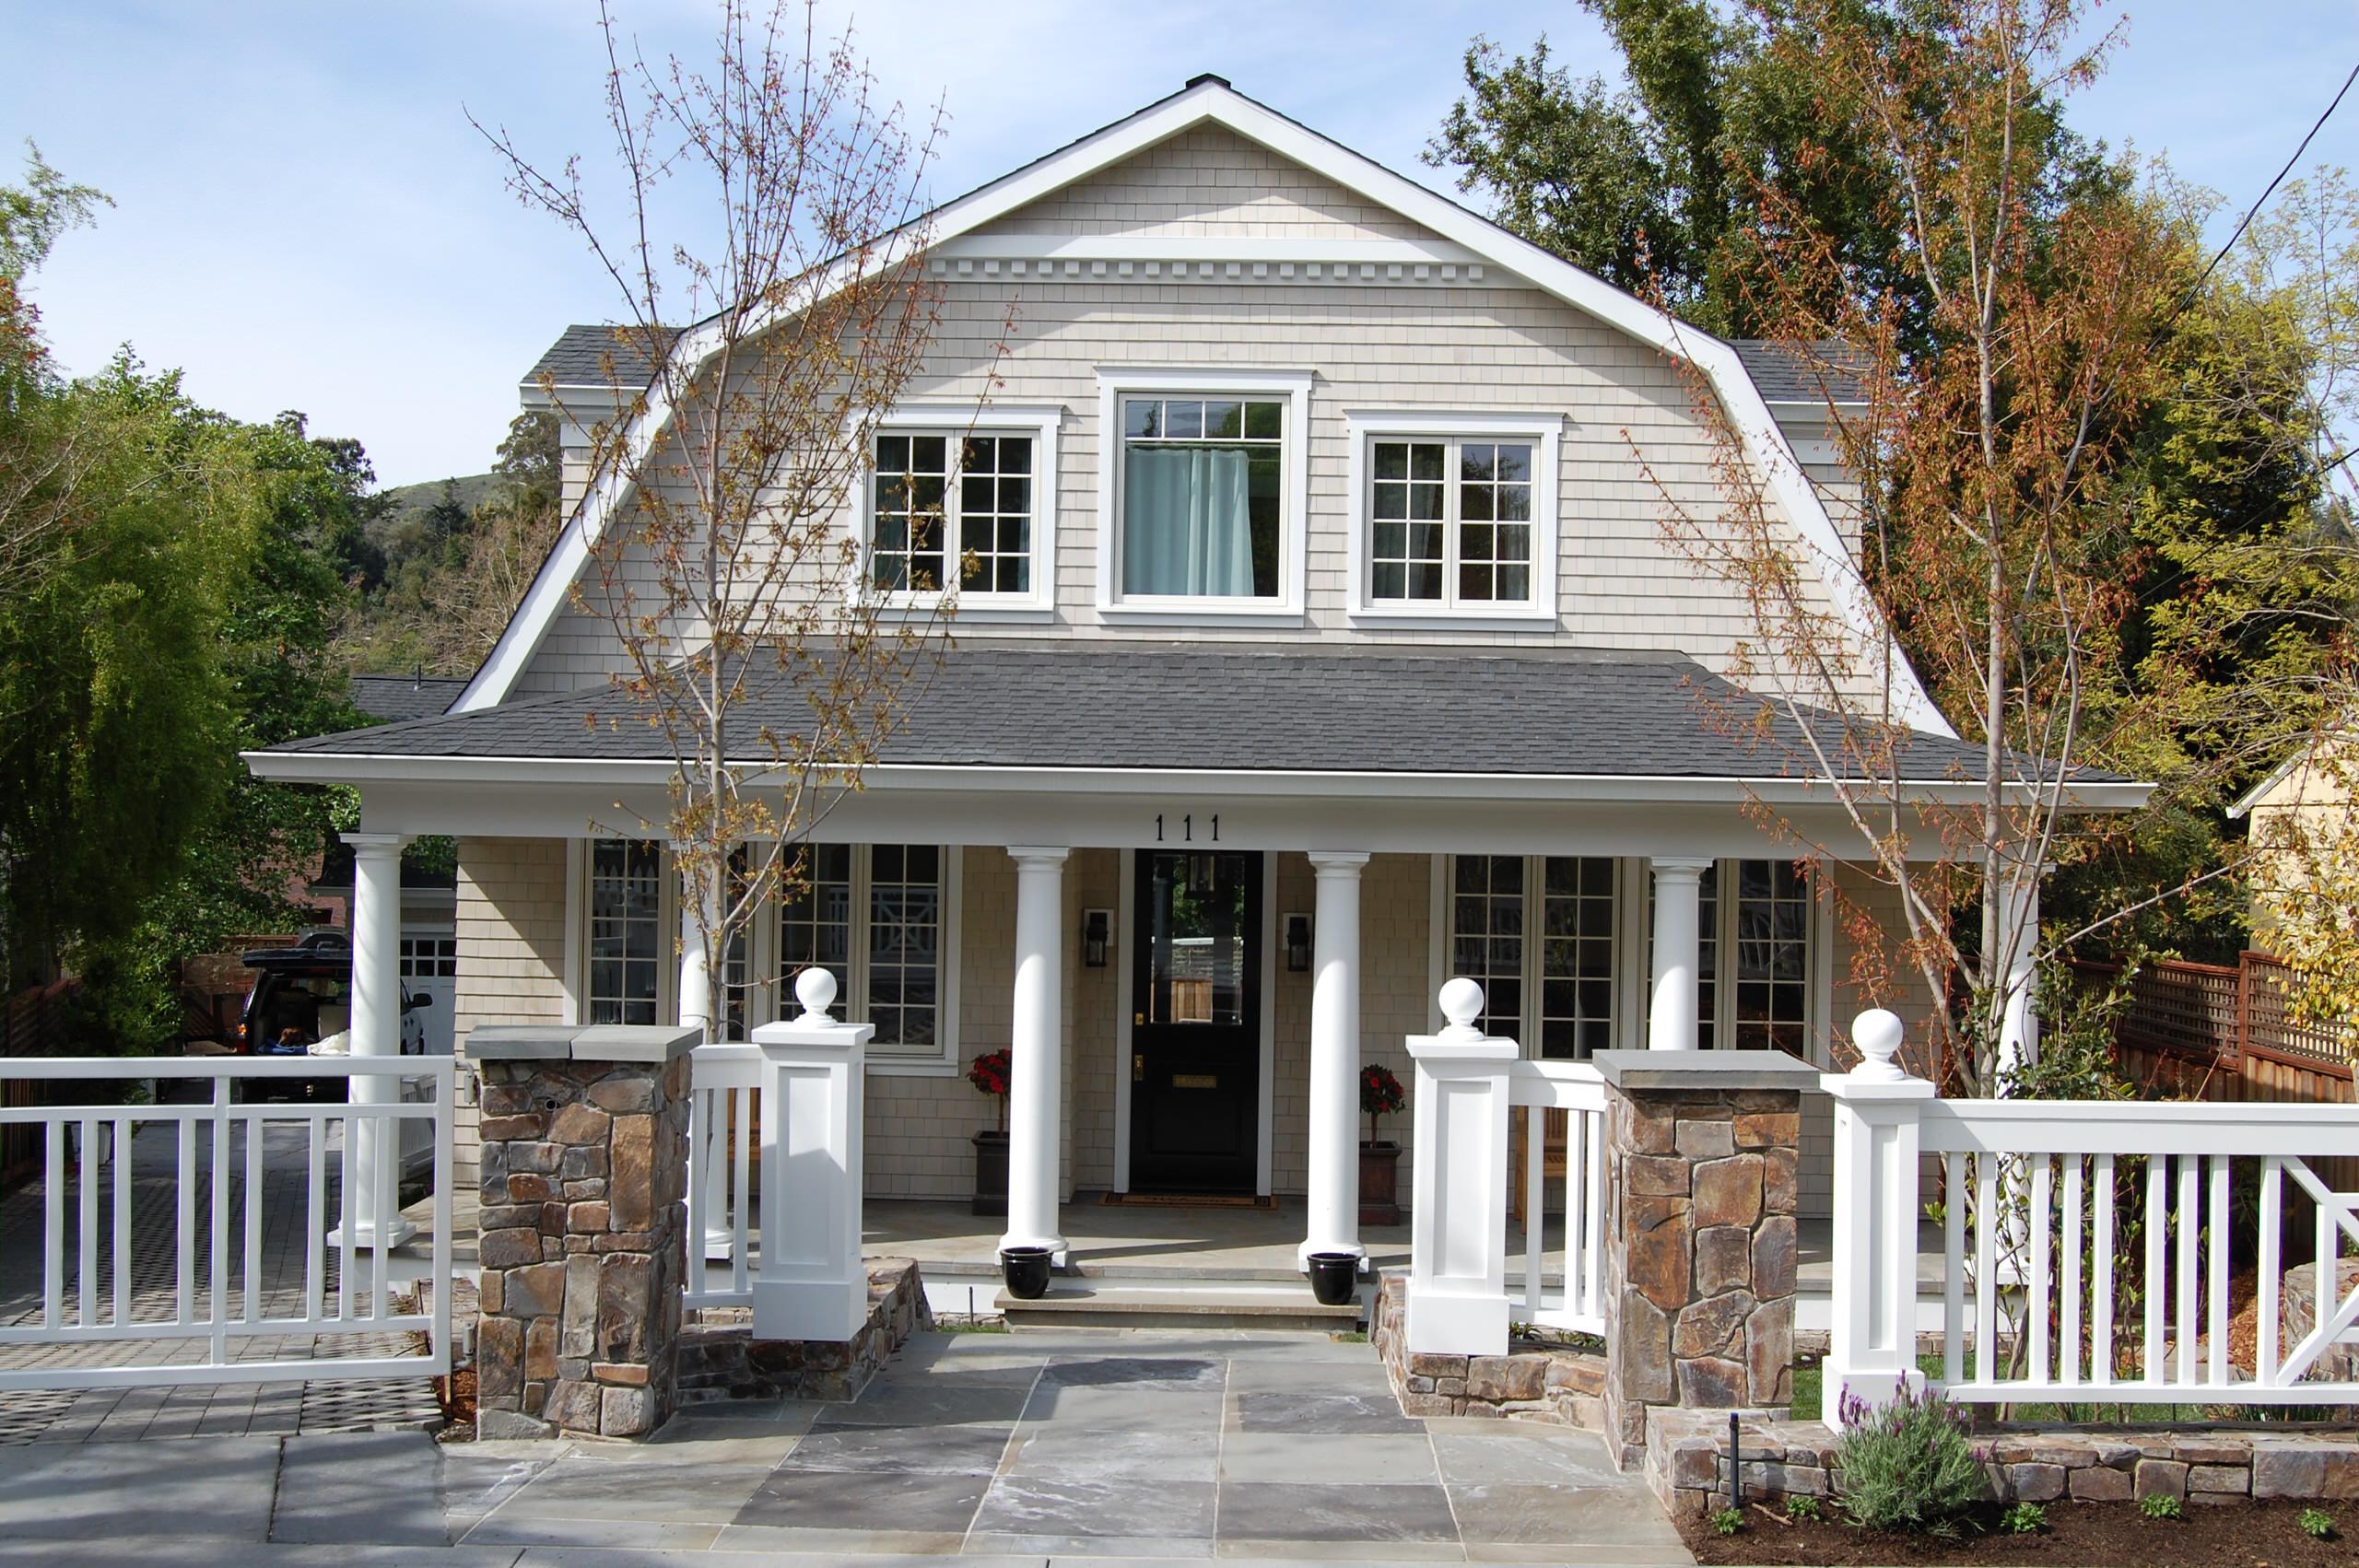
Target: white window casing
{"type": "Point", "coordinates": [1286, 609]}
{"type": "Point", "coordinates": [956, 421]}
{"type": "Point", "coordinates": [1543, 432]}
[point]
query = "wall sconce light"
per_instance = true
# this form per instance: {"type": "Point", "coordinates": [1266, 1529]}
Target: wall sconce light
{"type": "Point", "coordinates": [1096, 934]}
{"type": "Point", "coordinates": [1297, 944]}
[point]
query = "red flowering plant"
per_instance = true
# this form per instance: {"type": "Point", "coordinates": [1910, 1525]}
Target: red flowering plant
{"type": "Point", "coordinates": [1380, 1095]}
{"type": "Point", "coordinates": [989, 1072]}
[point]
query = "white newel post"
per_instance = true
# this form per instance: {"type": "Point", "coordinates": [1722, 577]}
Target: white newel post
{"type": "Point", "coordinates": [1457, 1258]}
{"type": "Point", "coordinates": [1678, 944]}
{"type": "Point", "coordinates": [1872, 1346]}
{"type": "Point", "coordinates": [1036, 1048]}
{"type": "Point", "coordinates": [811, 1284]}
{"type": "Point", "coordinates": [708, 1146]}
{"type": "Point", "coordinates": [376, 1030]}
{"type": "Point", "coordinates": [1333, 1222]}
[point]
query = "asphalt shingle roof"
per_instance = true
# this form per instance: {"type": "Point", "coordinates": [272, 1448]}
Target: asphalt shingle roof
{"type": "Point", "coordinates": [1785, 377]}
{"type": "Point", "coordinates": [595, 356]}
{"type": "Point", "coordinates": [1253, 707]}
{"type": "Point", "coordinates": [405, 696]}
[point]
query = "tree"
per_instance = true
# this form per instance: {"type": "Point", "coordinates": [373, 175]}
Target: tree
{"type": "Point", "coordinates": [728, 446]}
{"type": "Point", "coordinates": [43, 450]}
{"type": "Point", "coordinates": [1988, 465]}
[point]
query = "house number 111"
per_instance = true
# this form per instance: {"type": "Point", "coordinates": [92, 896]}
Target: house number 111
{"type": "Point", "coordinates": [1187, 828]}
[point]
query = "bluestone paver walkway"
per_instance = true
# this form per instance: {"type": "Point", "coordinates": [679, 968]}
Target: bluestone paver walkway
{"type": "Point", "coordinates": [1036, 1448]}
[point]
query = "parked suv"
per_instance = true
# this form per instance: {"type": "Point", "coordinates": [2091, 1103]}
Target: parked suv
{"type": "Point", "coordinates": [302, 995]}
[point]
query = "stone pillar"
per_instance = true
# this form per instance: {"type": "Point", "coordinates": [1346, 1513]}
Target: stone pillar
{"type": "Point", "coordinates": [1700, 1243]}
{"type": "Point", "coordinates": [1333, 1222]}
{"type": "Point", "coordinates": [1678, 960]}
{"type": "Point", "coordinates": [1036, 1050]}
{"type": "Point", "coordinates": [584, 1177]}
{"type": "Point", "coordinates": [1458, 1293]}
{"type": "Point", "coordinates": [812, 1285]}
{"type": "Point", "coordinates": [376, 1032]}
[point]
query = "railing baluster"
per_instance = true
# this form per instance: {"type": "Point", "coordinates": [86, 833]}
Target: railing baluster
{"type": "Point", "coordinates": [124, 1128]}
{"type": "Point", "coordinates": [347, 1204]}
{"type": "Point", "coordinates": [2039, 1287]}
{"type": "Point", "coordinates": [1985, 1264]}
{"type": "Point", "coordinates": [2270, 1266]}
{"type": "Point", "coordinates": [1535, 1205]}
{"type": "Point", "coordinates": [253, 1124]}
{"type": "Point", "coordinates": [2191, 1226]}
{"type": "Point", "coordinates": [699, 1153]}
{"type": "Point", "coordinates": [86, 1272]}
{"type": "Point", "coordinates": [2101, 1292]}
{"type": "Point", "coordinates": [2068, 1357]}
{"type": "Point", "coordinates": [1954, 1207]}
{"type": "Point", "coordinates": [2221, 1220]}
{"type": "Point", "coordinates": [2158, 1274]}
{"type": "Point", "coordinates": [1593, 1219]}
{"type": "Point", "coordinates": [185, 1237]}
{"type": "Point", "coordinates": [218, 1248]}
{"type": "Point", "coordinates": [386, 1174]}
{"type": "Point", "coordinates": [315, 1230]}
{"type": "Point", "coordinates": [52, 1268]}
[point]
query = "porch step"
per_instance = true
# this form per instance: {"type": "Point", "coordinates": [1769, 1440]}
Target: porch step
{"type": "Point", "coordinates": [1079, 1303]}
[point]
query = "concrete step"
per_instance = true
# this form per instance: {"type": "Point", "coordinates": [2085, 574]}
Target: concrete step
{"type": "Point", "coordinates": [1081, 1304]}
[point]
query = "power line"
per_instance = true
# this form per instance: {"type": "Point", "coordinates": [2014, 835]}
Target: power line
{"type": "Point", "coordinates": [2254, 211]}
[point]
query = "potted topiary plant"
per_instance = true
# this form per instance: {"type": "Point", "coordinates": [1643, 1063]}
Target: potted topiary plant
{"type": "Point", "coordinates": [989, 1073]}
{"type": "Point", "coordinates": [1381, 1097]}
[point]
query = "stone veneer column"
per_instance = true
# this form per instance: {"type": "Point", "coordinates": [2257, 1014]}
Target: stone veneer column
{"type": "Point", "coordinates": [584, 1177]}
{"type": "Point", "coordinates": [1700, 1248]}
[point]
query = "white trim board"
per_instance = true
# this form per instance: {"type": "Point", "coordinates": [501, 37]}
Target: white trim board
{"type": "Point", "coordinates": [1210, 101]}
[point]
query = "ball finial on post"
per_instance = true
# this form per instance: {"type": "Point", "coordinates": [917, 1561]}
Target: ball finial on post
{"type": "Point", "coordinates": [1877, 1034]}
{"type": "Point", "coordinates": [816, 989]}
{"type": "Point", "coordinates": [1461, 1003]}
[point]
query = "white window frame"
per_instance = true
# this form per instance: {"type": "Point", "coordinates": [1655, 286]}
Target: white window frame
{"type": "Point", "coordinates": [667, 928]}
{"type": "Point", "coordinates": [1535, 870]}
{"type": "Point", "coordinates": [956, 421]}
{"type": "Point", "coordinates": [1115, 607]}
{"type": "Point", "coordinates": [1543, 432]}
{"type": "Point", "coordinates": [775, 999]}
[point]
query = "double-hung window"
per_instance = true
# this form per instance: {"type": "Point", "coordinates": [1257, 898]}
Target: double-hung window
{"type": "Point", "coordinates": [964, 511]}
{"type": "Point", "coordinates": [878, 918]}
{"type": "Point", "coordinates": [1454, 518]}
{"type": "Point", "coordinates": [1202, 494]}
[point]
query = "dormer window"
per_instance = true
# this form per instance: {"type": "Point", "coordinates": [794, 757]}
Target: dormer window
{"type": "Point", "coordinates": [1454, 518]}
{"type": "Point", "coordinates": [963, 510]}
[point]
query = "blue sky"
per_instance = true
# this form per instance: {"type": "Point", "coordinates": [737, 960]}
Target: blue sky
{"type": "Point", "coordinates": [305, 218]}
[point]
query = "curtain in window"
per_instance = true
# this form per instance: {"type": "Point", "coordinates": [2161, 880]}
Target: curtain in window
{"type": "Point", "coordinates": [1187, 524]}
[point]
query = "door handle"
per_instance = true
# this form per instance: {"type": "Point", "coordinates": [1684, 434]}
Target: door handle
{"type": "Point", "coordinates": [1138, 1019]}
{"type": "Point", "coordinates": [1138, 1066]}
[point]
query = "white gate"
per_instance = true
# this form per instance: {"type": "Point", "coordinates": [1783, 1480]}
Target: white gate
{"type": "Point", "coordinates": [236, 1240]}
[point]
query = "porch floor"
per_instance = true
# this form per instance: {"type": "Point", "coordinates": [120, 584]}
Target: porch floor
{"type": "Point", "coordinates": [1118, 1241]}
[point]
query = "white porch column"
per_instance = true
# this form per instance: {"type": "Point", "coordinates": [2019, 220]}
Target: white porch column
{"type": "Point", "coordinates": [1671, 1022]}
{"type": "Point", "coordinates": [1036, 1049]}
{"type": "Point", "coordinates": [1334, 1217]}
{"type": "Point", "coordinates": [2019, 948]}
{"type": "Point", "coordinates": [709, 1146]}
{"type": "Point", "coordinates": [376, 1032]}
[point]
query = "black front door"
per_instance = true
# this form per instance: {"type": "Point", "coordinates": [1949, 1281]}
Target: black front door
{"type": "Point", "coordinates": [1195, 1023]}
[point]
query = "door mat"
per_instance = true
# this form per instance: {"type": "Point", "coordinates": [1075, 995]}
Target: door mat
{"type": "Point", "coordinates": [1186, 1200]}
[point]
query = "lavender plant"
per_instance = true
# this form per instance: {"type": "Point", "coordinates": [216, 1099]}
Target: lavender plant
{"type": "Point", "coordinates": [1907, 1465]}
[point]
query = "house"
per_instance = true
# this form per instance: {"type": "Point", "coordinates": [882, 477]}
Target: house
{"type": "Point", "coordinates": [1199, 839]}
{"type": "Point", "coordinates": [2300, 823]}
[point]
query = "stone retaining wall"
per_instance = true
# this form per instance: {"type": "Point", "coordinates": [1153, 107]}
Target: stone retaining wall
{"type": "Point", "coordinates": [1686, 1463]}
{"type": "Point", "coordinates": [718, 1358]}
{"type": "Point", "coordinates": [1561, 1386]}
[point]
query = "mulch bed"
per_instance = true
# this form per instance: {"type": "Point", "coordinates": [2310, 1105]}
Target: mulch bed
{"type": "Point", "coordinates": [2085, 1534]}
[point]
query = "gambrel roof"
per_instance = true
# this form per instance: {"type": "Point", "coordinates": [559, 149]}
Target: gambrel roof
{"type": "Point", "coordinates": [1209, 99]}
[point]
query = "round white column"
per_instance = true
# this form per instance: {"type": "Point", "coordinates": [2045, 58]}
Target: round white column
{"type": "Point", "coordinates": [1036, 1069]}
{"type": "Point", "coordinates": [1670, 1023]}
{"type": "Point", "coordinates": [2019, 945]}
{"type": "Point", "coordinates": [1334, 1217]}
{"type": "Point", "coordinates": [376, 1032]}
{"type": "Point", "coordinates": [709, 1153]}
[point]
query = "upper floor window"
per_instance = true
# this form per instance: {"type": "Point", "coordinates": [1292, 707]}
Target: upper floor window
{"type": "Point", "coordinates": [964, 512]}
{"type": "Point", "coordinates": [1454, 516]}
{"type": "Point", "coordinates": [1201, 494]}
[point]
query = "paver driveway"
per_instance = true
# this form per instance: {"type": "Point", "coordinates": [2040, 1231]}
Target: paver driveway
{"type": "Point", "coordinates": [1075, 1444]}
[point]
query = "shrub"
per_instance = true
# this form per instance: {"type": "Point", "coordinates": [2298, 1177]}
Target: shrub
{"type": "Point", "coordinates": [1907, 1465]}
{"type": "Point", "coordinates": [2023, 1519]}
{"type": "Point", "coordinates": [2317, 1524]}
{"type": "Point", "coordinates": [1805, 1509]}
{"type": "Point", "coordinates": [1728, 1522]}
{"type": "Point", "coordinates": [2162, 1505]}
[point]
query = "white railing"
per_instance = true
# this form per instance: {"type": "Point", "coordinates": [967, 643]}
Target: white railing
{"type": "Point", "coordinates": [1573, 1095]}
{"type": "Point", "coordinates": [2087, 1246]}
{"type": "Point", "coordinates": [133, 1285]}
{"type": "Point", "coordinates": [725, 1088]}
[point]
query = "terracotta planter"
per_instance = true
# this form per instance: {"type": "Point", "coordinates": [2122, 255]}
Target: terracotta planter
{"type": "Point", "coordinates": [991, 1174]}
{"type": "Point", "coordinates": [1380, 1183]}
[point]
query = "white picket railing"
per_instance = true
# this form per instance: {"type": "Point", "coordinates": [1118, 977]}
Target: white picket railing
{"type": "Point", "coordinates": [2041, 1300]}
{"type": "Point", "coordinates": [106, 1300]}
{"type": "Point", "coordinates": [1574, 1090]}
{"type": "Point", "coordinates": [725, 1088]}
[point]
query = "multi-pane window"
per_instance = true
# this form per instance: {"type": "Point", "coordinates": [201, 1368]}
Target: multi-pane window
{"type": "Point", "coordinates": [873, 917]}
{"type": "Point", "coordinates": [1569, 903]}
{"type": "Point", "coordinates": [429, 957]}
{"type": "Point", "coordinates": [932, 495]}
{"type": "Point", "coordinates": [1752, 958]}
{"type": "Point", "coordinates": [1451, 522]}
{"type": "Point", "coordinates": [626, 945]}
{"type": "Point", "coordinates": [1202, 497]}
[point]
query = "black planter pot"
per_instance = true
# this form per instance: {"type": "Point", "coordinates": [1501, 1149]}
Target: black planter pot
{"type": "Point", "coordinates": [1026, 1270]}
{"type": "Point", "coordinates": [1334, 1277]}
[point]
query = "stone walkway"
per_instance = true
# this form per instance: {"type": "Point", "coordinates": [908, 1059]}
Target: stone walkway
{"type": "Point", "coordinates": [1036, 1448]}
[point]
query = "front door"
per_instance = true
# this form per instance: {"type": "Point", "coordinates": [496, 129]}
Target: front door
{"type": "Point", "coordinates": [1196, 1023]}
